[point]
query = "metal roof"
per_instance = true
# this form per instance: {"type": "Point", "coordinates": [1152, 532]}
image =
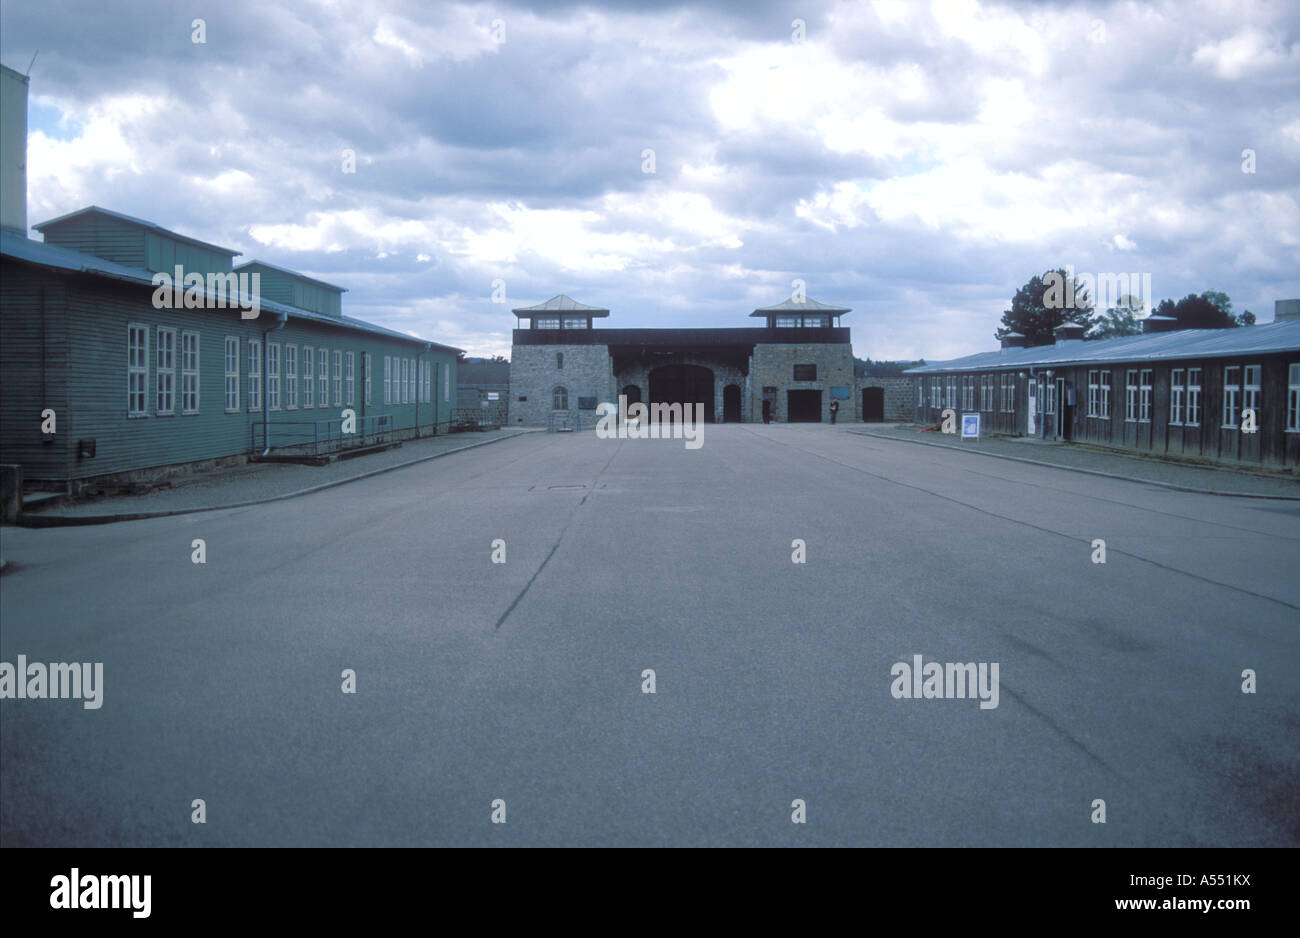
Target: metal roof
{"type": "Point", "coordinates": [139, 223]}
{"type": "Point", "coordinates": [807, 305]}
{"type": "Point", "coordinates": [60, 258]}
{"type": "Point", "coordinates": [1281, 336]}
{"type": "Point", "coordinates": [561, 304]}
{"type": "Point", "coordinates": [292, 273]}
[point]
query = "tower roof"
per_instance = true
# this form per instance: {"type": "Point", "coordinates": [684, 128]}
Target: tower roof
{"type": "Point", "coordinates": [808, 305]}
{"type": "Point", "coordinates": [560, 304]}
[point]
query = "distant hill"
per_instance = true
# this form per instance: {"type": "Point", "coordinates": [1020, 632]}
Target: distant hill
{"type": "Point", "coordinates": [866, 368]}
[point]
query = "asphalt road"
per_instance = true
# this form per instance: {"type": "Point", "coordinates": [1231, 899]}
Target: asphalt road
{"type": "Point", "coordinates": [523, 681]}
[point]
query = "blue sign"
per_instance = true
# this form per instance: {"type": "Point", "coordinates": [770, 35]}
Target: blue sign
{"type": "Point", "coordinates": [970, 426]}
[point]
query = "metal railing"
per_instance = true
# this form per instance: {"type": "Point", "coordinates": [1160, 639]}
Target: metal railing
{"type": "Point", "coordinates": [315, 437]}
{"type": "Point", "coordinates": [478, 418]}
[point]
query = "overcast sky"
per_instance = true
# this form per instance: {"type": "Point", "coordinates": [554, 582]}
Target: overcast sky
{"type": "Point", "coordinates": [914, 161]}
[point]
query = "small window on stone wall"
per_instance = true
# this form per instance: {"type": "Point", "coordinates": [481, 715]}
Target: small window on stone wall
{"type": "Point", "coordinates": [805, 372]}
{"type": "Point", "coordinates": [560, 399]}
{"type": "Point", "coordinates": [559, 360]}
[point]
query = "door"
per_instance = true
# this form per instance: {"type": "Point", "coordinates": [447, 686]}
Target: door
{"type": "Point", "coordinates": [1032, 409]}
{"type": "Point", "coordinates": [804, 406]}
{"type": "Point", "coordinates": [1063, 413]}
{"type": "Point", "coordinates": [873, 405]}
{"type": "Point", "coordinates": [731, 404]}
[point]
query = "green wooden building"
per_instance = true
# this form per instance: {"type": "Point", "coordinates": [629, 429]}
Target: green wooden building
{"type": "Point", "coordinates": [144, 381]}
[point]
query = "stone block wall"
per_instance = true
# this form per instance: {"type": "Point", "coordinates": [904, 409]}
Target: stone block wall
{"type": "Point", "coordinates": [588, 371]}
{"type": "Point", "coordinates": [773, 366]}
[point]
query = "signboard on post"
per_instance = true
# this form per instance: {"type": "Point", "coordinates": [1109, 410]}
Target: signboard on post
{"type": "Point", "coordinates": [970, 426]}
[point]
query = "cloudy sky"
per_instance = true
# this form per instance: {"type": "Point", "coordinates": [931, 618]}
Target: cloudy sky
{"type": "Point", "coordinates": [914, 161]}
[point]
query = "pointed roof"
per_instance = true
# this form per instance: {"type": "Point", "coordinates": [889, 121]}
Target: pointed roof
{"type": "Point", "coordinates": [808, 305]}
{"type": "Point", "coordinates": [560, 304]}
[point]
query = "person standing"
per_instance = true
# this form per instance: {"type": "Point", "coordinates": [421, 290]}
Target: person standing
{"type": "Point", "coordinates": [767, 409]}
{"type": "Point", "coordinates": [835, 409]}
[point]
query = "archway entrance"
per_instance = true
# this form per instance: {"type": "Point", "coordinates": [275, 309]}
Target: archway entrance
{"type": "Point", "coordinates": [873, 405]}
{"type": "Point", "coordinates": [633, 394]}
{"type": "Point", "coordinates": [731, 404]}
{"type": "Point", "coordinates": [803, 406]}
{"type": "Point", "coordinates": [683, 384]}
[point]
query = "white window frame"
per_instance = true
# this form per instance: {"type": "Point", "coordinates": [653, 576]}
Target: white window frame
{"type": "Point", "coordinates": [190, 384]}
{"type": "Point", "coordinates": [338, 377]}
{"type": "Point", "coordinates": [559, 395]}
{"type": "Point", "coordinates": [290, 377]}
{"type": "Point", "coordinates": [254, 375]}
{"type": "Point", "coordinates": [1130, 395]}
{"type": "Point", "coordinates": [1177, 393]}
{"type": "Point", "coordinates": [1103, 386]}
{"type": "Point", "coordinates": [232, 374]}
{"type": "Point", "coordinates": [410, 380]}
{"type": "Point", "coordinates": [388, 379]}
{"type": "Point", "coordinates": [446, 383]}
{"type": "Point", "coordinates": [401, 388]}
{"type": "Point", "coordinates": [137, 370]}
{"type": "Point", "coordinates": [165, 374]}
{"type": "Point", "coordinates": [350, 378]}
{"type": "Point", "coordinates": [273, 376]}
{"type": "Point", "coordinates": [367, 365]}
{"type": "Point", "coordinates": [1250, 389]}
{"type": "Point", "coordinates": [323, 377]}
{"type": "Point", "coordinates": [1094, 393]}
{"type": "Point", "coordinates": [1293, 397]}
{"type": "Point", "coordinates": [1193, 417]}
{"type": "Point", "coordinates": [1144, 395]}
{"type": "Point", "coordinates": [428, 382]}
{"type": "Point", "coordinates": [1231, 398]}
{"type": "Point", "coordinates": [308, 377]}
{"type": "Point", "coordinates": [952, 391]}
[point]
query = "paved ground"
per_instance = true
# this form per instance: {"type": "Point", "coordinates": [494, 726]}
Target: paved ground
{"type": "Point", "coordinates": [523, 681]}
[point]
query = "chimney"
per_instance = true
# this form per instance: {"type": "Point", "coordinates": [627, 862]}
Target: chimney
{"type": "Point", "coordinates": [1013, 340]}
{"type": "Point", "coordinates": [1068, 332]}
{"type": "Point", "coordinates": [1286, 310]}
{"type": "Point", "coordinates": [1155, 323]}
{"type": "Point", "coordinates": [13, 151]}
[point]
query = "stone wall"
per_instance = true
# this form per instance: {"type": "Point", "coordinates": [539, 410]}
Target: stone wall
{"type": "Point", "coordinates": [724, 374]}
{"type": "Point", "coordinates": [588, 371]}
{"type": "Point", "coordinates": [900, 397]}
{"type": "Point", "coordinates": [773, 366]}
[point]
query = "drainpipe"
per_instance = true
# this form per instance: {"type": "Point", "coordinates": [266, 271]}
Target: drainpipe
{"type": "Point", "coordinates": [266, 383]}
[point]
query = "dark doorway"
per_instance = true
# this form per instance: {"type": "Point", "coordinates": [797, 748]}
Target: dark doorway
{"type": "Point", "coordinates": [633, 394]}
{"type": "Point", "coordinates": [731, 404]}
{"type": "Point", "coordinates": [804, 406]}
{"type": "Point", "coordinates": [873, 405]}
{"type": "Point", "coordinates": [683, 384]}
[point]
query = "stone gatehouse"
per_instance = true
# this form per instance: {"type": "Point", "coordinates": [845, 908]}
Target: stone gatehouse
{"type": "Point", "coordinates": [562, 366]}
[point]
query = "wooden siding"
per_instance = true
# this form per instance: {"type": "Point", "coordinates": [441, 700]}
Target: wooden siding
{"type": "Point", "coordinates": [101, 236]}
{"type": "Point", "coordinates": [33, 381]}
{"type": "Point", "coordinates": [163, 254]}
{"type": "Point", "coordinates": [87, 377]}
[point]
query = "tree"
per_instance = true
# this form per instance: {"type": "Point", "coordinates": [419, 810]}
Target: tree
{"type": "Point", "coordinates": [1118, 321]}
{"type": "Point", "coordinates": [1246, 319]}
{"type": "Point", "coordinates": [1044, 303]}
{"type": "Point", "coordinates": [1198, 312]}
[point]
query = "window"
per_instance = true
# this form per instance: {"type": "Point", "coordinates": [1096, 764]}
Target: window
{"type": "Point", "coordinates": [546, 322]}
{"type": "Point", "coordinates": [559, 399]}
{"type": "Point", "coordinates": [986, 392]}
{"type": "Point", "coordinates": [388, 379]}
{"type": "Point", "coordinates": [1144, 398]}
{"type": "Point", "coordinates": [291, 377]}
{"type": "Point", "coordinates": [232, 373]}
{"type": "Point", "coordinates": [920, 392]}
{"type": "Point", "coordinates": [273, 376]}
{"type": "Point", "coordinates": [410, 380]}
{"type": "Point", "coordinates": [338, 378]}
{"type": "Point", "coordinates": [574, 322]}
{"type": "Point", "coordinates": [1130, 396]}
{"type": "Point", "coordinates": [952, 391]}
{"type": "Point", "coordinates": [446, 384]}
{"type": "Point", "coordinates": [428, 379]}
{"type": "Point", "coordinates": [1293, 397]}
{"type": "Point", "coordinates": [1049, 396]}
{"type": "Point", "coordinates": [967, 393]}
{"type": "Point", "coordinates": [401, 388]}
{"type": "Point", "coordinates": [1177, 388]}
{"type": "Point", "coordinates": [805, 372]}
{"type": "Point", "coordinates": [1250, 396]}
{"type": "Point", "coordinates": [350, 377]}
{"type": "Point", "coordinates": [1231, 396]}
{"type": "Point", "coordinates": [1104, 405]}
{"type": "Point", "coordinates": [559, 360]}
{"type": "Point", "coordinates": [1193, 397]}
{"type": "Point", "coordinates": [1094, 395]}
{"type": "Point", "coordinates": [308, 375]}
{"type": "Point", "coordinates": [323, 377]}
{"type": "Point", "coordinates": [787, 322]}
{"type": "Point", "coordinates": [137, 369]}
{"type": "Point", "coordinates": [189, 372]}
{"type": "Point", "coordinates": [254, 374]}
{"type": "Point", "coordinates": [165, 377]}
{"type": "Point", "coordinates": [935, 391]}
{"type": "Point", "coordinates": [814, 322]}
{"type": "Point", "coordinates": [365, 376]}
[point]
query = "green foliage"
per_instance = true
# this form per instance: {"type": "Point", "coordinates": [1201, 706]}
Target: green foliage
{"type": "Point", "coordinates": [1044, 303]}
{"type": "Point", "coordinates": [1199, 312]}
